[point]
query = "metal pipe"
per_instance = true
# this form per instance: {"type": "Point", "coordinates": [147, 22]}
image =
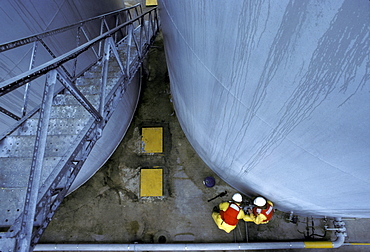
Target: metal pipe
{"type": "Point", "coordinates": [200, 246]}
{"type": "Point", "coordinates": [189, 246]}
{"type": "Point", "coordinates": [339, 241]}
{"type": "Point", "coordinates": [168, 247]}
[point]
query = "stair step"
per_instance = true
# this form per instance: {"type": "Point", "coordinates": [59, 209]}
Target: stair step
{"type": "Point", "coordinates": [113, 68]}
{"type": "Point", "coordinates": [12, 204]}
{"type": "Point", "coordinates": [69, 112]}
{"type": "Point", "coordinates": [87, 89]}
{"type": "Point", "coordinates": [23, 146]}
{"type": "Point", "coordinates": [68, 99]}
{"type": "Point", "coordinates": [14, 182]}
{"type": "Point", "coordinates": [57, 126]}
{"type": "Point", "coordinates": [112, 71]}
{"type": "Point", "coordinates": [16, 171]}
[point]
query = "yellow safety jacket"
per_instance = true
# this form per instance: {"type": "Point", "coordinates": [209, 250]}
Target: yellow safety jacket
{"type": "Point", "coordinates": [260, 218]}
{"type": "Point", "coordinates": [221, 223]}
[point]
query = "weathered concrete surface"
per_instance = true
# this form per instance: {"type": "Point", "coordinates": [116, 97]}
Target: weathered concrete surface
{"type": "Point", "coordinates": [108, 209]}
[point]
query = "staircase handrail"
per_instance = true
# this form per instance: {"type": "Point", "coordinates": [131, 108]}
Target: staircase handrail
{"type": "Point", "coordinates": [23, 78]}
{"type": "Point", "coordinates": [37, 37]}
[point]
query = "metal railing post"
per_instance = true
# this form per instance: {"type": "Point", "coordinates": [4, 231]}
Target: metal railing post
{"type": "Point", "coordinates": [104, 75]}
{"type": "Point", "coordinates": [26, 91]}
{"type": "Point", "coordinates": [142, 32]}
{"type": "Point", "coordinates": [78, 37]}
{"type": "Point", "coordinates": [116, 54]}
{"type": "Point", "coordinates": [88, 39]}
{"type": "Point", "coordinates": [116, 34]}
{"type": "Point", "coordinates": [101, 32]}
{"type": "Point", "coordinates": [37, 161]}
{"type": "Point", "coordinates": [128, 54]}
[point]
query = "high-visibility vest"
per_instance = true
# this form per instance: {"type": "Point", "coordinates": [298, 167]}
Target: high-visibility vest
{"type": "Point", "coordinates": [268, 212]}
{"type": "Point", "coordinates": [230, 215]}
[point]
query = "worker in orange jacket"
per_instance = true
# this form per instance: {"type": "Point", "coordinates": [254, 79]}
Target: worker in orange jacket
{"type": "Point", "coordinates": [261, 213]}
{"type": "Point", "coordinates": [227, 215]}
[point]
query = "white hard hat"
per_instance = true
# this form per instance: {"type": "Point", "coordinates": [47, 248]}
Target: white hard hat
{"type": "Point", "coordinates": [259, 201]}
{"type": "Point", "coordinates": [237, 197]}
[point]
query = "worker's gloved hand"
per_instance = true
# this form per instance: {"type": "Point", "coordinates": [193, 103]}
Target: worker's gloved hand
{"type": "Point", "coordinates": [247, 207]}
{"type": "Point", "coordinates": [216, 209]}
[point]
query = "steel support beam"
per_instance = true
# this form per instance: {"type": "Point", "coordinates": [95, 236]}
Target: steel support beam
{"type": "Point", "coordinates": [116, 55]}
{"type": "Point", "coordinates": [104, 75]}
{"type": "Point", "coordinates": [26, 91]}
{"type": "Point", "coordinates": [29, 211]}
{"type": "Point", "coordinates": [10, 114]}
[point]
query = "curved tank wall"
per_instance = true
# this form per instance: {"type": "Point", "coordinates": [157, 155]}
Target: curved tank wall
{"type": "Point", "coordinates": [274, 96]}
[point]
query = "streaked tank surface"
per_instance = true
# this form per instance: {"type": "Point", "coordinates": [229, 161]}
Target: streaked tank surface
{"type": "Point", "coordinates": [275, 97]}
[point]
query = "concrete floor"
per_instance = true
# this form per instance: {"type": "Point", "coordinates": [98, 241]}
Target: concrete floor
{"type": "Point", "coordinates": [109, 209]}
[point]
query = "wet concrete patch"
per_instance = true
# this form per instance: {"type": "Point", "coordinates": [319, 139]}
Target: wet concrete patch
{"type": "Point", "coordinates": [184, 237]}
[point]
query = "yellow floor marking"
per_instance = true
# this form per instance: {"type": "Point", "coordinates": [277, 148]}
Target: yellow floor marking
{"type": "Point", "coordinates": [151, 182]}
{"type": "Point", "coordinates": [151, 2]}
{"type": "Point", "coordinates": [152, 140]}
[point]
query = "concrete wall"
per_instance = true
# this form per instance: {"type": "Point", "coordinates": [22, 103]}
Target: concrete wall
{"type": "Point", "coordinates": [274, 96]}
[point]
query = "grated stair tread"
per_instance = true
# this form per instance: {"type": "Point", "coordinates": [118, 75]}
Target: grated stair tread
{"type": "Point", "coordinates": [68, 99]}
{"type": "Point", "coordinates": [19, 170]}
{"type": "Point", "coordinates": [14, 182]}
{"type": "Point", "coordinates": [23, 146]}
{"type": "Point", "coordinates": [57, 126]}
{"type": "Point", "coordinates": [69, 111]}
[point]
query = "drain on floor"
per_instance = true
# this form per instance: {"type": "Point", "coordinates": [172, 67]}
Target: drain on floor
{"type": "Point", "coordinates": [161, 237]}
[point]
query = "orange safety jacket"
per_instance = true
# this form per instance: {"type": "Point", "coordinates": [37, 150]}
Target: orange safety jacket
{"type": "Point", "coordinates": [230, 215]}
{"type": "Point", "coordinates": [268, 212]}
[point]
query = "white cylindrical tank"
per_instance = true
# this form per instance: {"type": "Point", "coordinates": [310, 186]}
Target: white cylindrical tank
{"type": "Point", "coordinates": [275, 97]}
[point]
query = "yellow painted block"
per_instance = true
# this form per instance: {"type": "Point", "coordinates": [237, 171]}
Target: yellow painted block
{"type": "Point", "coordinates": [151, 2]}
{"type": "Point", "coordinates": [152, 140]}
{"type": "Point", "coordinates": [151, 182]}
{"type": "Point", "coordinates": [318, 244]}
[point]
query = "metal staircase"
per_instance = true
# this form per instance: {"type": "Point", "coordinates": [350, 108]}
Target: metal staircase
{"type": "Point", "coordinates": [41, 155]}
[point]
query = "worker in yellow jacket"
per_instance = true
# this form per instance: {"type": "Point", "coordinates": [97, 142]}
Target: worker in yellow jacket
{"type": "Point", "coordinates": [227, 215]}
{"type": "Point", "coordinates": [261, 213]}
